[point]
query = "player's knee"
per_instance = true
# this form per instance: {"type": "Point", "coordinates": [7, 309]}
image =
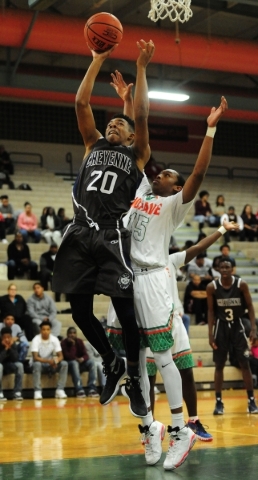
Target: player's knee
{"type": "Point", "coordinates": [244, 364]}
{"type": "Point", "coordinates": [219, 366]}
{"type": "Point", "coordinates": [186, 374]}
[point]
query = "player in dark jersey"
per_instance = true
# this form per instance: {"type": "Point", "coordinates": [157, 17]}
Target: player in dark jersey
{"type": "Point", "coordinates": [228, 297]}
{"type": "Point", "coordinates": [94, 256]}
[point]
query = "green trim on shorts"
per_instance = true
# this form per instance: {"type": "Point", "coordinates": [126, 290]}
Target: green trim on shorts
{"type": "Point", "coordinates": [184, 360]}
{"type": "Point", "coordinates": [151, 367]}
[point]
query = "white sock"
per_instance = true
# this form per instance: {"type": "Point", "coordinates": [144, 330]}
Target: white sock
{"type": "Point", "coordinates": [178, 420]}
{"type": "Point", "coordinates": [147, 421]}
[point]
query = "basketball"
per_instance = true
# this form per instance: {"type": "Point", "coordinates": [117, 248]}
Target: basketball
{"type": "Point", "coordinates": [102, 31]}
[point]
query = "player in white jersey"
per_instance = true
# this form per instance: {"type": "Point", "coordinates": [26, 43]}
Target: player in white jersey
{"type": "Point", "coordinates": [155, 213]}
{"type": "Point", "coordinates": [181, 350]}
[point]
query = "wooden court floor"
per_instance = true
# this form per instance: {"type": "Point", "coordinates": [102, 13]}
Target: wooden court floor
{"type": "Point", "coordinates": [80, 439]}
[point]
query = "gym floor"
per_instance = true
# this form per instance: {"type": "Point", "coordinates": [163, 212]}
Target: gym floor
{"type": "Point", "coordinates": [80, 439]}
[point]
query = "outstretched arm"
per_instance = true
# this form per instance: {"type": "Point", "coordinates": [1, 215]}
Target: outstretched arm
{"type": "Point", "coordinates": [208, 241]}
{"type": "Point", "coordinates": [124, 91]}
{"type": "Point", "coordinates": [141, 104]}
{"type": "Point", "coordinates": [86, 122]}
{"type": "Point", "coordinates": [193, 182]}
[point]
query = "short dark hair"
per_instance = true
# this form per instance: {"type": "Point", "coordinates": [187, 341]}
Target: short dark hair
{"type": "Point", "coordinates": [231, 208]}
{"type": "Point", "coordinates": [180, 180]}
{"type": "Point", "coordinates": [45, 323]}
{"type": "Point", "coordinates": [27, 203]}
{"type": "Point", "coordinates": [203, 193]}
{"type": "Point", "coordinates": [225, 245]}
{"type": "Point", "coordinates": [200, 255]}
{"type": "Point", "coordinates": [226, 259]}
{"type": "Point", "coordinates": [37, 283]}
{"type": "Point", "coordinates": [70, 329]}
{"type": "Point", "coordinates": [126, 118]}
{"type": "Point", "coordinates": [6, 330]}
{"type": "Point", "coordinates": [4, 197]}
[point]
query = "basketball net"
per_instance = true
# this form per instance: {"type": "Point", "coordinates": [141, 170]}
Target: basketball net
{"type": "Point", "coordinates": [174, 9]}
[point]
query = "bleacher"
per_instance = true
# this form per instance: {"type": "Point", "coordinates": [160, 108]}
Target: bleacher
{"type": "Point", "coordinates": [50, 190]}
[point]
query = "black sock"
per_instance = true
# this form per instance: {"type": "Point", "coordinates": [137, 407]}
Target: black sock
{"type": "Point", "coordinates": [133, 370]}
{"type": "Point", "coordinates": [109, 357]}
{"type": "Point", "coordinates": [250, 394]}
{"type": "Point", "coordinates": [218, 397]}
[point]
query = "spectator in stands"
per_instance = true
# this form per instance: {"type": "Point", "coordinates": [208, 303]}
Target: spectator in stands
{"type": "Point", "coordinates": [195, 300]}
{"type": "Point", "coordinates": [15, 305]}
{"type": "Point", "coordinates": [8, 213]}
{"type": "Point", "coordinates": [219, 210]}
{"type": "Point", "coordinates": [200, 266]}
{"type": "Point", "coordinates": [18, 337]}
{"type": "Point", "coordinates": [51, 227]}
{"type": "Point", "coordinates": [203, 212]}
{"type": "Point", "coordinates": [64, 219]}
{"type": "Point", "coordinates": [48, 358]}
{"type": "Point", "coordinates": [46, 264]}
{"type": "Point", "coordinates": [98, 361]}
{"type": "Point", "coordinates": [232, 217]}
{"type": "Point", "coordinates": [19, 260]}
{"type": "Point", "coordinates": [214, 269]}
{"type": "Point", "coordinates": [2, 229]}
{"type": "Point", "coordinates": [225, 252]}
{"type": "Point", "coordinates": [78, 360]}
{"type": "Point", "coordinates": [6, 160]}
{"type": "Point", "coordinates": [173, 247]}
{"type": "Point", "coordinates": [250, 231]}
{"type": "Point", "coordinates": [9, 363]}
{"type": "Point", "coordinates": [27, 224]}
{"type": "Point", "coordinates": [41, 308]}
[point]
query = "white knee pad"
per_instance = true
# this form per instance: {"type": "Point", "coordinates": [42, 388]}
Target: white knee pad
{"type": "Point", "coordinates": [171, 378]}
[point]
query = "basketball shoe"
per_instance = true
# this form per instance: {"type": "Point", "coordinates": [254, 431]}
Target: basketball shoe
{"type": "Point", "coordinates": [199, 430]}
{"type": "Point", "coordinates": [219, 408]}
{"type": "Point", "coordinates": [132, 390]}
{"type": "Point", "coordinates": [252, 407]}
{"type": "Point", "coordinates": [114, 375]}
{"type": "Point", "coordinates": [152, 438]}
{"type": "Point", "coordinates": [180, 444]}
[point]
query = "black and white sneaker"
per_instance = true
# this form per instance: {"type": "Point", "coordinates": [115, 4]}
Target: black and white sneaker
{"type": "Point", "coordinates": [132, 390]}
{"type": "Point", "coordinates": [114, 375]}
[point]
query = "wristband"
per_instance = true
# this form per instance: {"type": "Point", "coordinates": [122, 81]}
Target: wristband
{"type": "Point", "coordinates": [222, 230]}
{"type": "Point", "coordinates": [211, 131]}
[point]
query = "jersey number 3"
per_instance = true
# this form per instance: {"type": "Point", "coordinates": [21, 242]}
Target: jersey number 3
{"type": "Point", "coordinates": [107, 184]}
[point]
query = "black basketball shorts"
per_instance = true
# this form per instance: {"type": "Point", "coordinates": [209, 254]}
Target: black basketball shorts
{"type": "Point", "coordinates": [228, 334]}
{"type": "Point", "coordinates": [90, 261]}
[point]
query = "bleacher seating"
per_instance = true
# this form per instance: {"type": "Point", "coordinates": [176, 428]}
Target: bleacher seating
{"type": "Point", "coordinates": [50, 190]}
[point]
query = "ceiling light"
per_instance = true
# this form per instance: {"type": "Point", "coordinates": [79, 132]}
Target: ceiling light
{"type": "Point", "coordinates": [174, 97]}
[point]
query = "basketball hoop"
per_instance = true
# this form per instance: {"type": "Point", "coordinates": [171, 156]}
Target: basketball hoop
{"type": "Point", "coordinates": [174, 9]}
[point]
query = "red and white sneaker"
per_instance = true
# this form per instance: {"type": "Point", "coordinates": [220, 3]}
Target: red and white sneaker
{"type": "Point", "coordinates": [152, 438]}
{"type": "Point", "coordinates": [180, 444]}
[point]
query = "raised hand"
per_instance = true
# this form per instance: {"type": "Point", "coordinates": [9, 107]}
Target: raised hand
{"type": "Point", "coordinates": [216, 113]}
{"type": "Point", "coordinates": [230, 225]}
{"type": "Point", "coordinates": [123, 90]}
{"type": "Point", "coordinates": [102, 55]}
{"type": "Point", "coordinates": [147, 50]}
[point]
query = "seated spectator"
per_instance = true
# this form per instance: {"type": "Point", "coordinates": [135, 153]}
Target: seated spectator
{"type": "Point", "coordinates": [219, 210]}
{"type": "Point", "coordinates": [200, 266]}
{"type": "Point", "coordinates": [214, 269]}
{"type": "Point", "coordinates": [78, 360]}
{"type": "Point", "coordinates": [98, 362]}
{"type": "Point", "coordinates": [15, 305]}
{"type": "Point", "coordinates": [27, 224]}
{"type": "Point", "coordinates": [19, 261]}
{"type": "Point", "coordinates": [225, 252]}
{"type": "Point", "coordinates": [46, 265]}
{"type": "Point", "coordinates": [51, 227]}
{"type": "Point", "coordinates": [8, 213]}
{"type": "Point", "coordinates": [41, 308]}
{"type": "Point", "coordinates": [48, 358]}
{"type": "Point", "coordinates": [18, 337]}
{"type": "Point", "coordinates": [232, 217]}
{"type": "Point", "coordinates": [2, 229]}
{"type": "Point", "coordinates": [9, 363]}
{"type": "Point", "coordinates": [6, 160]}
{"type": "Point", "coordinates": [250, 231]}
{"type": "Point", "coordinates": [173, 247]}
{"type": "Point", "coordinates": [64, 219]}
{"type": "Point", "coordinates": [203, 212]}
{"type": "Point", "coordinates": [195, 300]}
{"type": "Point", "coordinates": [4, 175]}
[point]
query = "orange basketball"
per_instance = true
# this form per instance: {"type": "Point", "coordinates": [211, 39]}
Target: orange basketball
{"type": "Point", "coordinates": [102, 31]}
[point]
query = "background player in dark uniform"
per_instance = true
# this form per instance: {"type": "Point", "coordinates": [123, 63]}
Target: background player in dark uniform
{"type": "Point", "coordinates": [94, 254]}
{"type": "Point", "coordinates": [228, 297]}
